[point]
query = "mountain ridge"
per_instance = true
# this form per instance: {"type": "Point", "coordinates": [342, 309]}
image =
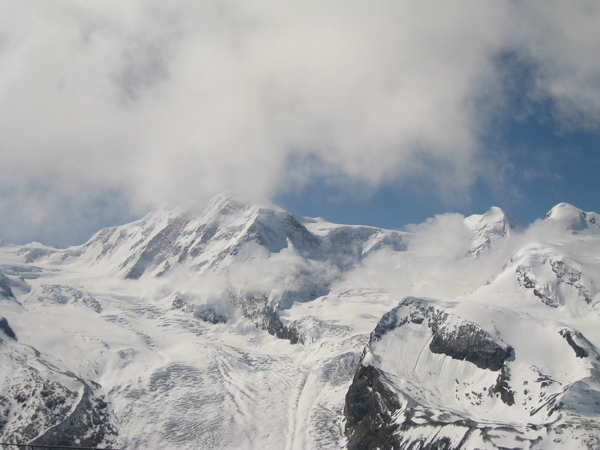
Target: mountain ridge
{"type": "Point", "coordinates": [180, 327]}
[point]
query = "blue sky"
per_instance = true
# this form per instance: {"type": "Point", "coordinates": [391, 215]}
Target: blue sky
{"type": "Point", "coordinates": [544, 165]}
{"type": "Point", "coordinates": [382, 113]}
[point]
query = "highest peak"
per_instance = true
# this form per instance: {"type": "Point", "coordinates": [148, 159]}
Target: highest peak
{"type": "Point", "coordinates": [228, 203]}
{"type": "Point", "coordinates": [224, 202]}
{"type": "Point", "coordinates": [495, 211]}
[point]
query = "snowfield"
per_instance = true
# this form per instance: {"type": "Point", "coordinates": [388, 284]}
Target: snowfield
{"type": "Point", "coordinates": [240, 325]}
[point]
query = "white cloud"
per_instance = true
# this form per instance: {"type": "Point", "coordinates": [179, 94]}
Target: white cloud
{"type": "Point", "coordinates": [158, 101]}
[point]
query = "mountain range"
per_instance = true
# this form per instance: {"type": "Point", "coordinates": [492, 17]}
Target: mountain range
{"type": "Point", "coordinates": [237, 324]}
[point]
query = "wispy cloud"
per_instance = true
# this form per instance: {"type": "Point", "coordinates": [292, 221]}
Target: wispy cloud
{"type": "Point", "coordinates": [146, 101]}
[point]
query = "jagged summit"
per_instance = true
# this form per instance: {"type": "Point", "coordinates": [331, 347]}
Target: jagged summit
{"type": "Point", "coordinates": [490, 226]}
{"type": "Point", "coordinates": [494, 220]}
{"type": "Point", "coordinates": [227, 202]}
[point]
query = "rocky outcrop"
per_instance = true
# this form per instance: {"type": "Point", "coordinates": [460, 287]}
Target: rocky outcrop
{"type": "Point", "coordinates": [203, 311]}
{"type": "Point", "coordinates": [380, 415]}
{"type": "Point", "coordinates": [556, 290]}
{"type": "Point", "coordinates": [468, 342]}
{"type": "Point", "coordinates": [264, 315]}
{"type": "Point", "coordinates": [6, 329]}
{"type": "Point", "coordinates": [454, 337]}
{"type": "Point", "coordinates": [88, 425]}
{"type": "Point", "coordinates": [568, 335]}
{"type": "Point", "coordinates": [377, 418]}
{"type": "Point", "coordinates": [42, 404]}
{"type": "Point", "coordinates": [369, 408]}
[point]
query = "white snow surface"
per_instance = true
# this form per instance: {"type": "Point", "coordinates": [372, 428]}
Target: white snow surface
{"type": "Point", "coordinates": [107, 313]}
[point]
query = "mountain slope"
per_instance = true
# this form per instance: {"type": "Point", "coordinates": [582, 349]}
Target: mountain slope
{"type": "Point", "coordinates": [241, 325]}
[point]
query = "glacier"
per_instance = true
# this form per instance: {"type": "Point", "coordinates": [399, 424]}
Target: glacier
{"type": "Point", "coordinates": [237, 324]}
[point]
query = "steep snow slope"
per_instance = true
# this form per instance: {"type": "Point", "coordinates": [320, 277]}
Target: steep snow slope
{"type": "Point", "coordinates": [179, 329]}
{"type": "Point", "coordinates": [487, 228]}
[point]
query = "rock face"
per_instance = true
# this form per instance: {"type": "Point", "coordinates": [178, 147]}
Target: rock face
{"type": "Point", "coordinates": [41, 404]}
{"type": "Point", "coordinates": [88, 425]}
{"type": "Point", "coordinates": [379, 414]}
{"type": "Point", "coordinates": [369, 409]}
{"type": "Point", "coordinates": [6, 329]}
{"type": "Point", "coordinates": [467, 342]}
{"type": "Point", "coordinates": [458, 339]}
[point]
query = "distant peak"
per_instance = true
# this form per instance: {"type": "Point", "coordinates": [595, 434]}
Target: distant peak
{"type": "Point", "coordinates": [223, 200]}
{"type": "Point", "coordinates": [494, 217]}
{"type": "Point", "coordinates": [490, 226]}
{"type": "Point", "coordinates": [493, 214]}
{"type": "Point", "coordinates": [573, 218]}
{"type": "Point", "coordinates": [562, 209]}
{"type": "Point", "coordinates": [229, 201]}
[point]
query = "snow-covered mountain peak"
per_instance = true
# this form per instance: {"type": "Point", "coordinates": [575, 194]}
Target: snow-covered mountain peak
{"type": "Point", "coordinates": [493, 220]}
{"type": "Point", "coordinates": [569, 217]}
{"type": "Point", "coordinates": [491, 225]}
{"type": "Point", "coordinates": [228, 203]}
{"type": "Point", "coordinates": [226, 231]}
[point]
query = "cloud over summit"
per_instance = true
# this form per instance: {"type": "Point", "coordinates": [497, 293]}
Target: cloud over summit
{"type": "Point", "coordinates": [127, 104]}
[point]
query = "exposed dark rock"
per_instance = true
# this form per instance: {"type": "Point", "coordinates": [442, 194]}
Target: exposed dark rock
{"type": "Point", "coordinates": [377, 417]}
{"type": "Point", "coordinates": [579, 352]}
{"type": "Point", "coordinates": [209, 314]}
{"type": "Point", "coordinates": [179, 302]}
{"type": "Point", "coordinates": [571, 276]}
{"type": "Point", "coordinates": [203, 312]}
{"type": "Point", "coordinates": [527, 279]}
{"type": "Point", "coordinates": [470, 343]}
{"type": "Point", "coordinates": [274, 326]}
{"type": "Point", "coordinates": [503, 388]}
{"type": "Point", "coordinates": [565, 275]}
{"type": "Point", "coordinates": [374, 419]}
{"type": "Point", "coordinates": [369, 408]}
{"type": "Point", "coordinates": [5, 327]}
{"type": "Point", "coordinates": [256, 308]}
{"type": "Point", "coordinates": [465, 341]}
{"type": "Point", "coordinates": [88, 425]}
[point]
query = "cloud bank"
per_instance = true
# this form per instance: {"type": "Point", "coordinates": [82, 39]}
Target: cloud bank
{"type": "Point", "coordinates": [113, 106]}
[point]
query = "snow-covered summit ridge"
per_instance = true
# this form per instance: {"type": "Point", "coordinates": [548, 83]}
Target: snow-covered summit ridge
{"type": "Point", "coordinates": [573, 219]}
